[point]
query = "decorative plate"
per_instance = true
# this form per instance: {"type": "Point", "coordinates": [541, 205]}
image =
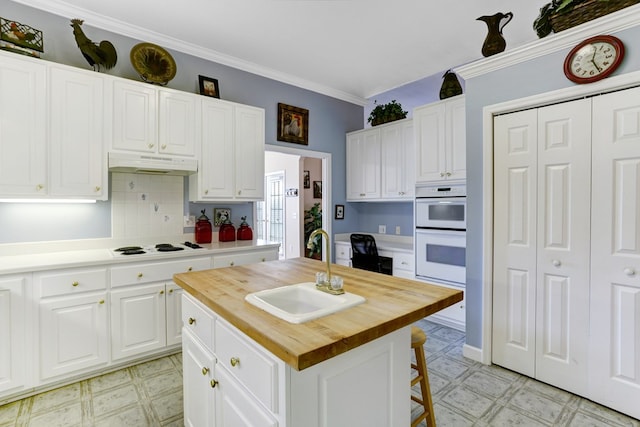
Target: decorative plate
{"type": "Point", "coordinates": [153, 63]}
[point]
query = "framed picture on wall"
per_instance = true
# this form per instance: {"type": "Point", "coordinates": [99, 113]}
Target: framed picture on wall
{"type": "Point", "coordinates": [209, 87]}
{"type": "Point", "coordinates": [317, 189]}
{"type": "Point", "coordinates": [307, 182]}
{"type": "Point", "coordinates": [339, 211]}
{"type": "Point", "coordinates": [293, 124]}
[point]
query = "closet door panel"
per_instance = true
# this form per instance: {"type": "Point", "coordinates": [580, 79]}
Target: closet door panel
{"type": "Point", "coordinates": [515, 244]}
{"type": "Point", "coordinates": [615, 274]}
{"type": "Point", "coordinates": [562, 297]}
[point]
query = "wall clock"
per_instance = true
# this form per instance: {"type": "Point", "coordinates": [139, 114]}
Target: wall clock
{"type": "Point", "coordinates": [593, 59]}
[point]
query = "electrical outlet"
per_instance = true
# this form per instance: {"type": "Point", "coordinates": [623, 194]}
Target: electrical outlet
{"type": "Point", "coordinates": [397, 229]}
{"type": "Point", "coordinates": [382, 229]}
{"type": "Point", "coordinates": [189, 221]}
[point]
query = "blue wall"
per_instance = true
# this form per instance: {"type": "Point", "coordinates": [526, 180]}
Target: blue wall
{"type": "Point", "coordinates": [537, 76]}
{"type": "Point", "coordinates": [329, 120]}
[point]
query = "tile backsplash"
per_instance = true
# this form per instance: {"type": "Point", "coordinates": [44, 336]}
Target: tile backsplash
{"type": "Point", "coordinates": [146, 205]}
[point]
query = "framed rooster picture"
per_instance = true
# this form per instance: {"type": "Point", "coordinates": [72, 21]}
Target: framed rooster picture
{"type": "Point", "coordinates": [293, 124]}
{"type": "Point", "coordinates": [20, 35]}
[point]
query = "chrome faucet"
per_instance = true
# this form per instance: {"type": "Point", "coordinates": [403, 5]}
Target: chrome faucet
{"type": "Point", "coordinates": [328, 245]}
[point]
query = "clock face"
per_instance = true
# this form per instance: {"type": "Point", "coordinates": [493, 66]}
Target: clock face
{"type": "Point", "coordinates": [593, 59]}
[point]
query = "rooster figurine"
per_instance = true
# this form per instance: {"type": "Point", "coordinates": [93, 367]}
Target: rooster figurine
{"type": "Point", "coordinates": [97, 55]}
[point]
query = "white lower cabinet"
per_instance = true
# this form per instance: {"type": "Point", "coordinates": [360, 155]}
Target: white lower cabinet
{"type": "Point", "coordinates": [145, 306]}
{"type": "Point", "coordinates": [403, 261]}
{"type": "Point", "coordinates": [13, 333]}
{"type": "Point", "coordinates": [454, 316]}
{"type": "Point", "coordinates": [72, 321]}
{"type": "Point", "coordinates": [231, 379]}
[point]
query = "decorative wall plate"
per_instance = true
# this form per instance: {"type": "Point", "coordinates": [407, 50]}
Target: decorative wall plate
{"type": "Point", "coordinates": [153, 63]}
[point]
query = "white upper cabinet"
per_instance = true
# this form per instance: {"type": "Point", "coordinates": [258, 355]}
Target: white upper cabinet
{"type": "Point", "coordinates": [363, 165]}
{"type": "Point", "coordinates": [77, 134]}
{"type": "Point", "coordinates": [398, 164]}
{"type": "Point", "coordinates": [23, 132]}
{"type": "Point", "coordinates": [380, 163]}
{"type": "Point", "coordinates": [440, 137]}
{"type": "Point", "coordinates": [151, 120]}
{"type": "Point", "coordinates": [51, 130]}
{"type": "Point", "coordinates": [231, 153]}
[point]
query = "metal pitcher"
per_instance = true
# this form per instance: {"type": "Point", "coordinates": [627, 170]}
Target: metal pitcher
{"type": "Point", "coordinates": [494, 42]}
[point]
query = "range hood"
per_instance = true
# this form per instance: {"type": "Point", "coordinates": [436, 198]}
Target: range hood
{"type": "Point", "coordinates": [151, 164]}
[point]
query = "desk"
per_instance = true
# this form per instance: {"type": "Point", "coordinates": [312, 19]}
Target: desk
{"type": "Point", "coordinates": [399, 248]}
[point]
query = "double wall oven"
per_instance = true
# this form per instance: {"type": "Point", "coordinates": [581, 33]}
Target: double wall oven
{"type": "Point", "coordinates": [440, 235]}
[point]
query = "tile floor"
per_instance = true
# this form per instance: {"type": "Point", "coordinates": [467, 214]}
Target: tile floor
{"type": "Point", "coordinates": [465, 393]}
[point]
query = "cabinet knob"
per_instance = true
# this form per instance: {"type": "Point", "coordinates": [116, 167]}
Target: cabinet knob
{"type": "Point", "coordinates": [362, 194]}
{"type": "Point", "coordinates": [164, 146]}
{"type": "Point", "coordinates": [190, 269]}
{"type": "Point", "coordinates": [556, 263]}
{"type": "Point", "coordinates": [213, 383]}
{"type": "Point", "coordinates": [75, 284]}
{"type": "Point", "coordinates": [206, 191]}
{"type": "Point", "coordinates": [264, 259]}
{"type": "Point", "coordinates": [39, 187]}
{"type": "Point", "coordinates": [162, 292]}
{"type": "Point", "coordinates": [151, 145]}
{"type": "Point", "coordinates": [448, 173]}
{"type": "Point", "coordinates": [234, 361]}
{"type": "Point", "coordinates": [140, 275]}
{"type": "Point", "coordinates": [205, 370]}
{"type": "Point", "coordinates": [170, 291]}
{"type": "Point", "coordinates": [191, 320]}
{"type": "Point", "coordinates": [97, 189]}
{"type": "Point", "coordinates": [101, 301]}
{"type": "Point", "coordinates": [239, 192]}
{"type": "Point", "coordinates": [442, 174]}
{"type": "Point", "coordinates": [232, 263]}
{"type": "Point", "coordinates": [629, 271]}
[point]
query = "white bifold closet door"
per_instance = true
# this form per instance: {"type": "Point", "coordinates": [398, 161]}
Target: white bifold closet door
{"type": "Point", "coordinates": [615, 252]}
{"type": "Point", "coordinates": [542, 170]}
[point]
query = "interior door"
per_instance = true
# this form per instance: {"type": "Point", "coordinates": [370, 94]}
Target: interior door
{"type": "Point", "coordinates": [271, 212]}
{"type": "Point", "coordinates": [541, 243]}
{"type": "Point", "coordinates": [615, 274]}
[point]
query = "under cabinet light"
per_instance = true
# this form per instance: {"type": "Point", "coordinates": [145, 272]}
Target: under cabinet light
{"type": "Point", "coordinates": [45, 201]}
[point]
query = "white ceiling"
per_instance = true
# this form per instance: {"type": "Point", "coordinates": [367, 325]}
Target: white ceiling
{"type": "Point", "coordinates": [350, 49]}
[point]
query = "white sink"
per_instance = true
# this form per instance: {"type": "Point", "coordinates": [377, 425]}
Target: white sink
{"type": "Point", "coordinates": [301, 302]}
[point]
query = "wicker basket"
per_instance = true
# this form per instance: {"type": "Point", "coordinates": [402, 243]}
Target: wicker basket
{"type": "Point", "coordinates": [586, 11]}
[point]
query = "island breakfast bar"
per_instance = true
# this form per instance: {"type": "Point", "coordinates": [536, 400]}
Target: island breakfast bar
{"type": "Point", "coordinates": [345, 369]}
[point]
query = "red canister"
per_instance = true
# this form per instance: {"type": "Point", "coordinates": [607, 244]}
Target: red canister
{"type": "Point", "coordinates": [203, 229]}
{"type": "Point", "coordinates": [227, 232]}
{"type": "Point", "coordinates": [244, 231]}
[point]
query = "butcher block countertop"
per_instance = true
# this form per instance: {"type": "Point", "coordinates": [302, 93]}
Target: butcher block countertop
{"type": "Point", "coordinates": [391, 303]}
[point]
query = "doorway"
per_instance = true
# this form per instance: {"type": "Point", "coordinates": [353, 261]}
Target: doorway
{"type": "Point", "coordinates": [271, 211]}
{"type": "Point", "coordinates": [292, 161]}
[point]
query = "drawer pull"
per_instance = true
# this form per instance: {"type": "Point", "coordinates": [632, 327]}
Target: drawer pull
{"type": "Point", "coordinates": [629, 271]}
{"type": "Point", "coordinates": [205, 370]}
{"type": "Point", "coordinates": [213, 383]}
{"type": "Point", "coordinates": [192, 320]}
{"type": "Point", "coordinates": [74, 284]}
{"type": "Point", "coordinates": [231, 263]}
{"type": "Point", "coordinates": [235, 361]}
{"type": "Point", "coordinates": [190, 269]}
{"type": "Point", "coordinates": [264, 259]}
{"type": "Point", "coordinates": [140, 275]}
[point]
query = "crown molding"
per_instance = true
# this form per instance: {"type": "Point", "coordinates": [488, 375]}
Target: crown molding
{"type": "Point", "coordinates": [611, 23]}
{"type": "Point", "coordinates": [119, 27]}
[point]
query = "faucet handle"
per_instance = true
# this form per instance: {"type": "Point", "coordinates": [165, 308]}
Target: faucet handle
{"type": "Point", "coordinates": [321, 278]}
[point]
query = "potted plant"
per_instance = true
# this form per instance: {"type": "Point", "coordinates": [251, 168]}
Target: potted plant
{"type": "Point", "coordinates": [313, 221]}
{"type": "Point", "coordinates": [556, 15]}
{"type": "Point", "coordinates": [384, 113]}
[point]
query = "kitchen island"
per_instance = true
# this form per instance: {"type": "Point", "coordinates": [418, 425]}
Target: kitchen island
{"type": "Point", "coordinates": [346, 369]}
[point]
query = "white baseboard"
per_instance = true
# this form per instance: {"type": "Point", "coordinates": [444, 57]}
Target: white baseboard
{"type": "Point", "coordinates": [474, 353]}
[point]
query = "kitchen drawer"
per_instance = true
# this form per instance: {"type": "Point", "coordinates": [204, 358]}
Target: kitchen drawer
{"type": "Point", "coordinates": [241, 258]}
{"type": "Point", "coordinates": [69, 282]}
{"type": "Point", "coordinates": [248, 363]}
{"type": "Point", "coordinates": [198, 320]}
{"type": "Point", "coordinates": [343, 251]}
{"type": "Point", "coordinates": [403, 261]}
{"type": "Point", "coordinates": [133, 274]}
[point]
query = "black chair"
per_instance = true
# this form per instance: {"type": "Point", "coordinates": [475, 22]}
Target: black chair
{"type": "Point", "coordinates": [365, 255]}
